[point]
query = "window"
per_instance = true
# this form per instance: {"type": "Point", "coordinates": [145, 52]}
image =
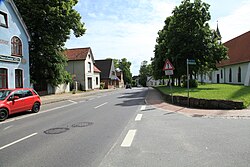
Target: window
{"type": "Point", "coordinates": [239, 74]}
{"type": "Point", "coordinates": [96, 80]}
{"type": "Point", "coordinates": [89, 67]}
{"type": "Point", "coordinates": [27, 93]}
{"type": "Point", "coordinates": [3, 19]}
{"type": "Point", "coordinates": [16, 47]}
{"type": "Point", "coordinates": [230, 75]}
{"type": "Point", "coordinates": [3, 78]}
{"type": "Point", "coordinates": [221, 74]}
{"type": "Point", "coordinates": [19, 78]}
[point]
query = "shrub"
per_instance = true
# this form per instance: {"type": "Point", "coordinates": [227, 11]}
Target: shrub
{"type": "Point", "coordinates": [102, 84]}
{"type": "Point", "coordinates": [192, 83]}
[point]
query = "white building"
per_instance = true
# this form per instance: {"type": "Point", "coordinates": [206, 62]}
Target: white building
{"type": "Point", "coordinates": [235, 70]}
{"type": "Point", "coordinates": [81, 66]}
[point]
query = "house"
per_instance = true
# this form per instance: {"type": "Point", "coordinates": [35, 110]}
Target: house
{"type": "Point", "coordinates": [81, 66]}
{"type": "Point", "coordinates": [108, 73]}
{"type": "Point", "coordinates": [119, 81]}
{"type": "Point", "coordinates": [235, 70]}
{"type": "Point", "coordinates": [153, 82]}
{"type": "Point", "coordinates": [14, 48]}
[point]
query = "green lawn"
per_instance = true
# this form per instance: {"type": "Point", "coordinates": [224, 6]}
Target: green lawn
{"type": "Point", "coordinates": [214, 91]}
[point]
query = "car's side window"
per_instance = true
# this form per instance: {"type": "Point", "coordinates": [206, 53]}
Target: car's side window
{"type": "Point", "coordinates": [27, 93]}
{"type": "Point", "coordinates": [19, 93]}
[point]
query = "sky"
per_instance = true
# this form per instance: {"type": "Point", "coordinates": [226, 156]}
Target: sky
{"type": "Point", "coordinates": [128, 28]}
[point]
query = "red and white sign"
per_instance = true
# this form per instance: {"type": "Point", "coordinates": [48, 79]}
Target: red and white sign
{"type": "Point", "coordinates": [168, 66]}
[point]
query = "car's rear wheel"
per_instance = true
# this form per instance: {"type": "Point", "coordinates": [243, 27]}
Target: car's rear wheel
{"type": "Point", "coordinates": [36, 107]}
{"type": "Point", "coordinates": [3, 114]}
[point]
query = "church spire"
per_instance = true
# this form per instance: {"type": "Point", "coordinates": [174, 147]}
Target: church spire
{"type": "Point", "coordinates": [218, 31]}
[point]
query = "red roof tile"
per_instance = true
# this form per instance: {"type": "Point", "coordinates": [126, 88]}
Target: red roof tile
{"type": "Point", "coordinates": [77, 53]}
{"type": "Point", "coordinates": [238, 50]}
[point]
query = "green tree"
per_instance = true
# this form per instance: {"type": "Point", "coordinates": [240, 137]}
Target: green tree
{"type": "Point", "coordinates": [49, 23]}
{"type": "Point", "coordinates": [160, 52]}
{"type": "Point", "coordinates": [187, 35]}
{"type": "Point", "coordinates": [125, 65]}
{"type": "Point", "coordinates": [145, 71]}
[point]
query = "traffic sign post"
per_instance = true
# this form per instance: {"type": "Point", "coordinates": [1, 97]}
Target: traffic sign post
{"type": "Point", "coordinates": [189, 62]}
{"type": "Point", "coordinates": [169, 70]}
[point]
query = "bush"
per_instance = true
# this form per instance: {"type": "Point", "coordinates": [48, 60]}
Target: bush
{"type": "Point", "coordinates": [192, 83]}
{"type": "Point", "coordinates": [102, 84]}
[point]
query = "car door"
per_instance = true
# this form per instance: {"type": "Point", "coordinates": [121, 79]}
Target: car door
{"type": "Point", "coordinates": [16, 105]}
{"type": "Point", "coordinates": [28, 99]}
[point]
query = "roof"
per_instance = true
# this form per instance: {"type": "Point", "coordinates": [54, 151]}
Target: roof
{"type": "Point", "coordinates": [19, 18]}
{"type": "Point", "coordinates": [77, 53]}
{"type": "Point", "coordinates": [238, 50]}
{"type": "Point", "coordinates": [96, 70]}
{"type": "Point", "coordinates": [104, 66]}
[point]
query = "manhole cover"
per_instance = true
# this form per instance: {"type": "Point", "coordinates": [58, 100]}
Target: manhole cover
{"type": "Point", "coordinates": [56, 130]}
{"type": "Point", "coordinates": [197, 115]}
{"type": "Point", "coordinates": [82, 124]}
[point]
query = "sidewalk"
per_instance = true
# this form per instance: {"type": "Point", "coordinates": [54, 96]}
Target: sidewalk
{"type": "Point", "coordinates": [69, 96]}
{"type": "Point", "coordinates": [154, 98]}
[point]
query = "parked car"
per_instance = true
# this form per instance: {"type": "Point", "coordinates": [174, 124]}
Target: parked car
{"type": "Point", "coordinates": [18, 100]}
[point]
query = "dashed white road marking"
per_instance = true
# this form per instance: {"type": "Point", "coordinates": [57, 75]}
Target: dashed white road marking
{"type": "Point", "coordinates": [17, 141]}
{"type": "Point", "coordinates": [138, 117]}
{"type": "Point", "coordinates": [129, 138]}
{"type": "Point", "coordinates": [143, 107]}
{"type": "Point", "coordinates": [72, 101]}
{"type": "Point", "coordinates": [100, 105]}
{"type": "Point", "coordinates": [8, 127]}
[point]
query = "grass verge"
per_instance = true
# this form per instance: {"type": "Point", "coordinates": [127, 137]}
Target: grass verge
{"type": "Point", "coordinates": [214, 91]}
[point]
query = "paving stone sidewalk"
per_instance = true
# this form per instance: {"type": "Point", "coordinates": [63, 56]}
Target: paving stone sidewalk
{"type": "Point", "coordinates": [154, 98]}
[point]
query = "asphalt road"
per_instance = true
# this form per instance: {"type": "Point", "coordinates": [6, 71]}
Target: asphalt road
{"type": "Point", "coordinates": [118, 129]}
{"type": "Point", "coordinates": [70, 133]}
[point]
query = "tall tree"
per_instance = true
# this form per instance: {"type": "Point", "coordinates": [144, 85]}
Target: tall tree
{"type": "Point", "coordinates": [187, 35]}
{"type": "Point", "coordinates": [125, 65]}
{"type": "Point", "coordinates": [161, 50]}
{"type": "Point", "coordinates": [145, 71]}
{"type": "Point", "coordinates": [49, 23]}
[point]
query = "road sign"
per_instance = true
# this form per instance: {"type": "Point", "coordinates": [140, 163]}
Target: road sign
{"type": "Point", "coordinates": [168, 66]}
{"type": "Point", "coordinates": [191, 62]}
{"type": "Point", "coordinates": [169, 72]}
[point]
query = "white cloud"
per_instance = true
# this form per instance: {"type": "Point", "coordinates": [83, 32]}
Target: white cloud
{"type": "Point", "coordinates": [235, 24]}
{"type": "Point", "coordinates": [131, 36]}
{"type": "Point", "coordinates": [117, 31]}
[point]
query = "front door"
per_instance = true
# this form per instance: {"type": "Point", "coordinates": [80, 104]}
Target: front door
{"type": "Point", "coordinates": [89, 83]}
{"type": "Point", "coordinates": [218, 78]}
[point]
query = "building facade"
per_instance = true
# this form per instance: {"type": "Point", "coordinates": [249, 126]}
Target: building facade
{"type": "Point", "coordinates": [81, 66]}
{"type": "Point", "coordinates": [108, 73]}
{"type": "Point", "coordinates": [14, 48]}
{"type": "Point", "coordinates": [235, 70]}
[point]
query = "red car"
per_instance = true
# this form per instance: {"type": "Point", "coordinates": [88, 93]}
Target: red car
{"type": "Point", "coordinates": [18, 100]}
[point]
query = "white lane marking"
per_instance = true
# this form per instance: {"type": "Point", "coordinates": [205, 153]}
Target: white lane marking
{"type": "Point", "coordinates": [72, 101]}
{"type": "Point", "coordinates": [138, 117]}
{"type": "Point", "coordinates": [129, 138]}
{"type": "Point", "coordinates": [8, 127]}
{"type": "Point", "coordinates": [17, 141]}
{"type": "Point", "coordinates": [100, 105]}
{"type": "Point", "coordinates": [143, 107]}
